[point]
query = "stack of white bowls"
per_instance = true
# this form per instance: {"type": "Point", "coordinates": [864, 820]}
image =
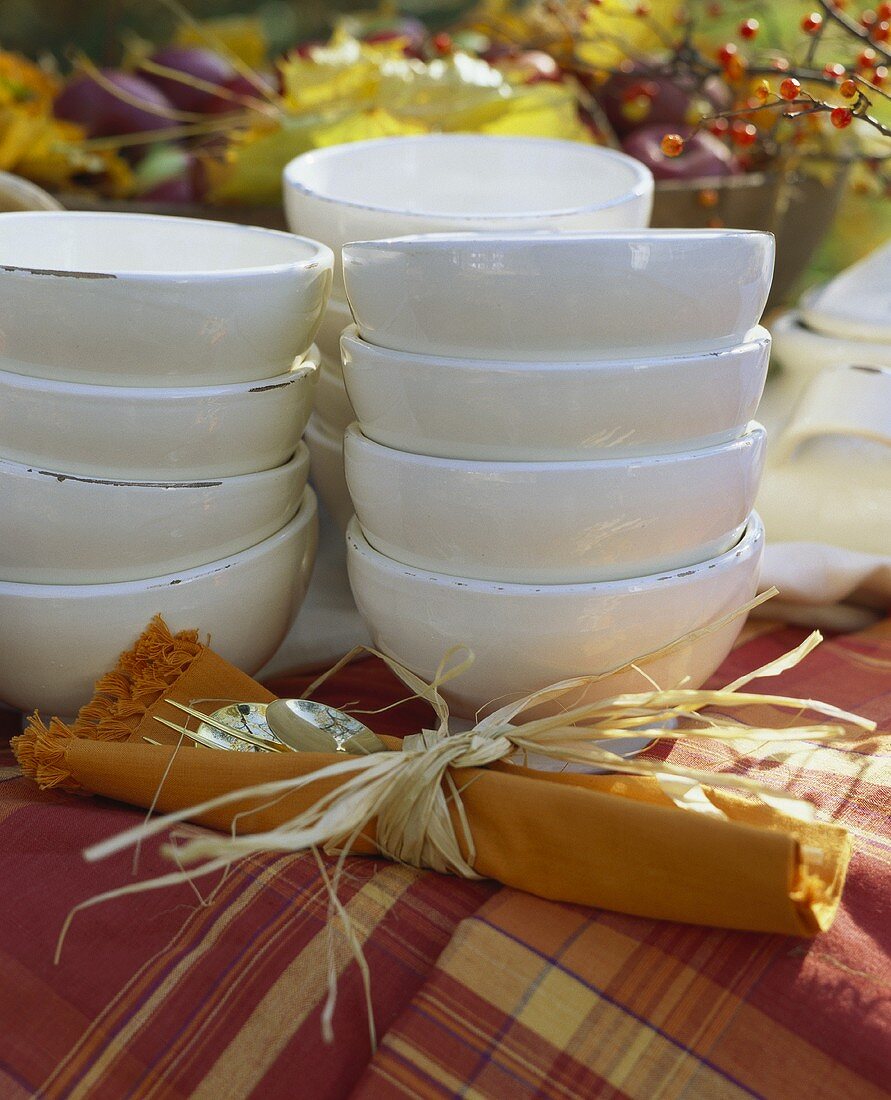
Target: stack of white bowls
{"type": "Point", "coordinates": [155, 380]}
{"type": "Point", "coordinates": [441, 182]}
{"type": "Point", "coordinates": [554, 462]}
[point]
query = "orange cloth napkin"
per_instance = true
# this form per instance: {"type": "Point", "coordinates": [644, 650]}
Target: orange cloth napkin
{"type": "Point", "coordinates": [615, 842]}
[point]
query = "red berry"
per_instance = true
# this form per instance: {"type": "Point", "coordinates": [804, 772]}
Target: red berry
{"type": "Point", "coordinates": [790, 88]}
{"type": "Point", "coordinates": [812, 23]}
{"type": "Point", "coordinates": [866, 58]}
{"type": "Point", "coordinates": [880, 76]}
{"type": "Point", "coordinates": [718, 126]}
{"type": "Point", "coordinates": [743, 133]}
{"type": "Point", "coordinates": [841, 117]}
{"type": "Point", "coordinates": [640, 89]}
{"type": "Point", "coordinates": [833, 71]}
{"type": "Point", "coordinates": [726, 51]}
{"type": "Point", "coordinates": [735, 69]}
{"type": "Point", "coordinates": [761, 92]}
{"type": "Point", "coordinates": [848, 89]}
{"type": "Point", "coordinates": [881, 32]}
{"type": "Point", "coordinates": [867, 18]}
{"type": "Point", "coordinates": [672, 145]}
{"type": "Point", "coordinates": [442, 42]}
{"type": "Point", "coordinates": [749, 28]}
{"type": "Point", "coordinates": [883, 11]}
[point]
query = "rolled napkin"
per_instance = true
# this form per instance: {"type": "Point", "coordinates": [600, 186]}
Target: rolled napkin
{"type": "Point", "coordinates": [615, 841]}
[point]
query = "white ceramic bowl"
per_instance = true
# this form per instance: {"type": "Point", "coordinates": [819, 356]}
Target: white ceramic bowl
{"type": "Point", "coordinates": [477, 182]}
{"type": "Point", "coordinates": [142, 300]}
{"type": "Point", "coordinates": [134, 434]}
{"type": "Point", "coordinates": [471, 408]}
{"type": "Point", "coordinates": [57, 640]}
{"type": "Point", "coordinates": [325, 443]}
{"type": "Point", "coordinates": [526, 637]}
{"type": "Point", "coordinates": [553, 522]}
{"type": "Point", "coordinates": [20, 194]}
{"type": "Point", "coordinates": [552, 296]}
{"type": "Point", "coordinates": [332, 402]}
{"type": "Point", "coordinates": [61, 528]}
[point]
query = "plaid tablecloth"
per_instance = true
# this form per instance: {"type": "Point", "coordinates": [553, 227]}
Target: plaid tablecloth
{"type": "Point", "coordinates": [478, 991]}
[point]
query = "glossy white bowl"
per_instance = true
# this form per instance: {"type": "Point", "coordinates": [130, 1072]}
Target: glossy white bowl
{"type": "Point", "coordinates": [141, 300]}
{"type": "Point", "coordinates": [57, 640]}
{"type": "Point", "coordinates": [477, 182]}
{"type": "Point", "coordinates": [17, 194]}
{"type": "Point", "coordinates": [491, 409]}
{"type": "Point", "coordinates": [61, 528]}
{"type": "Point", "coordinates": [526, 637]}
{"type": "Point", "coordinates": [325, 443]}
{"type": "Point", "coordinates": [134, 434]}
{"type": "Point", "coordinates": [567, 297]}
{"type": "Point", "coordinates": [553, 522]}
{"type": "Point", "coordinates": [332, 402]}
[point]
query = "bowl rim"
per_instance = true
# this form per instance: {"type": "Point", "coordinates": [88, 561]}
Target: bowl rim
{"type": "Point", "coordinates": [307, 367]}
{"type": "Point", "coordinates": [641, 186]}
{"type": "Point", "coordinates": [35, 470]}
{"type": "Point", "coordinates": [754, 435]}
{"type": "Point", "coordinates": [836, 325]}
{"type": "Point", "coordinates": [524, 238]}
{"type": "Point", "coordinates": [302, 518]}
{"type": "Point", "coordinates": [749, 544]}
{"type": "Point", "coordinates": [320, 255]}
{"type": "Point", "coordinates": [756, 339]}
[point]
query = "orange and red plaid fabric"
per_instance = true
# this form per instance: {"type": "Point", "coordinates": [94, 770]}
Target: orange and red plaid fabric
{"type": "Point", "coordinates": [478, 990]}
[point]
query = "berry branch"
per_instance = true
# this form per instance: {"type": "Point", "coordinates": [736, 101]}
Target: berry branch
{"type": "Point", "coordinates": [857, 30]}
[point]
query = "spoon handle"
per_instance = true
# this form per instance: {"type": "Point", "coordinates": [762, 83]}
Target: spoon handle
{"type": "Point", "coordinates": [247, 738]}
{"type": "Point", "coordinates": [192, 734]}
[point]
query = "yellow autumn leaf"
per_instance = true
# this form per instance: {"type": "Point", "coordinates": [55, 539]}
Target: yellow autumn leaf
{"type": "Point", "coordinates": [25, 86]}
{"type": "Point", "coordinates": [364, 125]}
{"type": "Point", "coordinates": [238, 35]}
{"type": "Point", "coordinates": [309, 85]}
{"type": "Point", "coordinates": [255, 158]}
{"type": "Point", "coordinates": [612, 32]}
{"type": "Point", "coordinates": [458, 92]}
{"type": "Point", "coordinates": [540, 110]}
{"type": "Point", "coordinates": [18, 130]}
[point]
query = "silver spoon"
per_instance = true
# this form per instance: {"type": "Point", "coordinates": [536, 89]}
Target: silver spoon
{"type": "Point", "coordinates": [307, 726]}
{"type": "Point", "coordinates": [300, 725]}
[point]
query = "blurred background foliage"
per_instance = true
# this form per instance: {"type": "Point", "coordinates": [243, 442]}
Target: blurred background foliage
{"type": "Point", "coordinates": [97, 26]}
{"type": "Point", "coordinates": [100, 27]}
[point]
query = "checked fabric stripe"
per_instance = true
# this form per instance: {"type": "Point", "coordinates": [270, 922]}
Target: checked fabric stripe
{"type": "Point", "coordinates": [478, 990]}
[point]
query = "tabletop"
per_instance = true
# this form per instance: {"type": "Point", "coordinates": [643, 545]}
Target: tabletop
{"type": "Point", "coordinates": [477, 990]}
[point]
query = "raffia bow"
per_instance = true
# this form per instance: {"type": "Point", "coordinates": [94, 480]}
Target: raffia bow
{"type": "Point", "coordinates": [415, 802]}
{"type": "Point", "coordinates": [416, 805]}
